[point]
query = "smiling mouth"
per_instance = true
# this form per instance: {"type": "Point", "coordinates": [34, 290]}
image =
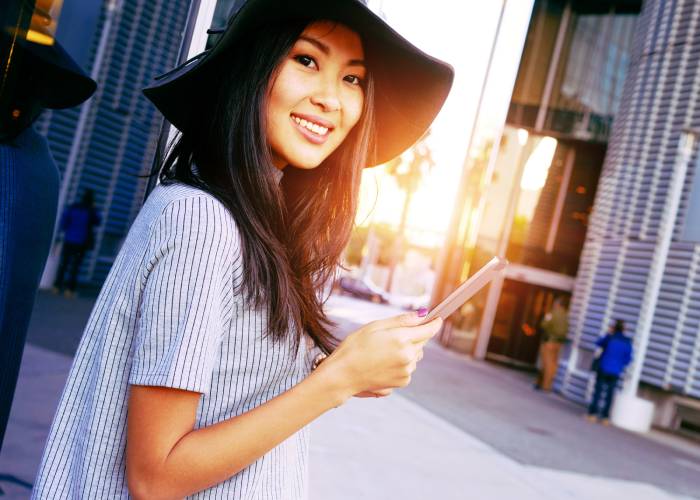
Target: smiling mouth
{"type": "Point", "coordinates": [315, 132]}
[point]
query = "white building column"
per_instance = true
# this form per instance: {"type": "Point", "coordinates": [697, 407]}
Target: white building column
{"type": "Point", "coordinates": [631, 412]}
{"type": "Point", "coordinates": [489, 315]}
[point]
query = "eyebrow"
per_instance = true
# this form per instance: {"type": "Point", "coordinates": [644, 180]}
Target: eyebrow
{"type": "Point", "coordinates": [326, 50]}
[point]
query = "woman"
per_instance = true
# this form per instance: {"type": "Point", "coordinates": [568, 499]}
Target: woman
{"type": "Point", "coordinates": [196, 374]}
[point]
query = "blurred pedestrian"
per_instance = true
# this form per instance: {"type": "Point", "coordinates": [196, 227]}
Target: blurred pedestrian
{"type": "Point", "coordinates": [77, 224]}
{"type": "Point", "coordinates": [615, 355]}
{"type": "Point", "coordinates": [37, 77]}
{"type": "Point", "coordinates": [554, 328]}
{"type": "Point", "coordinates": [208, 351]}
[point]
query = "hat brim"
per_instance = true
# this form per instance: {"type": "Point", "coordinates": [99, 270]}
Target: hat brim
{"type": "Point", "coordinates": [411, 86]}
{"type": "Point", "coordinates": [61, 82]}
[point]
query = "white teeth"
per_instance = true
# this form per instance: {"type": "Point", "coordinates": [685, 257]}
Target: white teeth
{"type": "Point", "coordinates": [316, 129]}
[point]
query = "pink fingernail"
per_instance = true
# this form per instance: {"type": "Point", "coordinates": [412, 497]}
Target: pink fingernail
{"type": "Point", "coordinates": [422, 312]}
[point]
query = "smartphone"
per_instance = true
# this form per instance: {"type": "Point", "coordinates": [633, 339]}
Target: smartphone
{"type": "Point", "coordinates": [466, 290]}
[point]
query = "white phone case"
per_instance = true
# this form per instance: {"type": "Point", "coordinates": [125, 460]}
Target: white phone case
{"type": "Point", "coordinates": [466, 290]}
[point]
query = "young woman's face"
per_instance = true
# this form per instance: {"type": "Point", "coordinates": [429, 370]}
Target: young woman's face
{"type": "Point", "coordinates": [317, 96]}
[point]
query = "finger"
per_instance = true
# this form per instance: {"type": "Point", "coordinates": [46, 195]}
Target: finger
{"type": "Point", "coordinates": [365, 394]}
{"type": "Point", "coordinates": [378, 393]}
{"type": "Point", "coordinates": [421, 343]}
{"type": "Point", "coordinates": [421, 333]}
{"type": "Point", "coordinates": [420, 355]}
{"type": "Point", "coordinates": [400, 321]}
{"type": "Point", "coordinates": [382, 393]}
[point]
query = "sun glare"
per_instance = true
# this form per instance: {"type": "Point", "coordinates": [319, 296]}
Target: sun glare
{"type": "Point", "coordinates": [537, 166]}
{"type": "Point", "coordinates": [471, 24]}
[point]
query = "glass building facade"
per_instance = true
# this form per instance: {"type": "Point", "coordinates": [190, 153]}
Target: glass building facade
{"type": "Point", "coordinates": [573, 68]}
{"type": "Point", "coordinates": [539, 185]}
{"type": "Point", "coordinates": [594, 197]}
{"type": "Point", "coordinates": [641, 253]}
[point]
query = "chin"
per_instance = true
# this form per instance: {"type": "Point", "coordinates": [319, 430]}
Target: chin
{"type": "Point", "coordinates": [305, 166]}
{"type": "Point", "coordinates": [307, 162]}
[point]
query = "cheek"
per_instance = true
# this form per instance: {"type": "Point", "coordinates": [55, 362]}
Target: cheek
{"type": "Point", "coordinates": [287, 90]}
{"type": "Point", "coordinates": [275, 102]}
{"type": "Point", "coordinates": [352, 111]}
{"type": "Point", "coordinates": [279, 104]}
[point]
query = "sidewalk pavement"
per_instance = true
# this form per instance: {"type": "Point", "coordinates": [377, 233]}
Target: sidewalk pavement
{"type": "Point", "coordinates": [374, 449]}
{"type": "Point", "coordinates": [391, 448]}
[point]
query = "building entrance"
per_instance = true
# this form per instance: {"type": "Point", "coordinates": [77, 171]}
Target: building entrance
{"type": "Point", "coordinates": [515, 337]}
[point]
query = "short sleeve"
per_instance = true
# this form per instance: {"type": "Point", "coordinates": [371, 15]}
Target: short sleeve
{"type": "Point", "coordinates": [188, 272]}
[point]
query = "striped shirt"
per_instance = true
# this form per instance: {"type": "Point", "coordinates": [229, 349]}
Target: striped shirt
{"type": "Point", "coordinates": [168, 316]}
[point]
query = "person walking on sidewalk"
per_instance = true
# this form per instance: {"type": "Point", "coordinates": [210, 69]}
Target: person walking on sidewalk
{"type": "Point", "coordinates": [609, 366]}
{"type": "Point", "coordinates": [554, 327]}
{"type": "Point", "coordinates": [77, 223]}
{"type": "Point", "coordinates": [208, 351]}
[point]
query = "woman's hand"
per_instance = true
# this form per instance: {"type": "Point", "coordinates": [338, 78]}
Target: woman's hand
{"type": "Point", "coordinates": [380, 356]}
{"type": "Point", "coordinates": [383, 392]}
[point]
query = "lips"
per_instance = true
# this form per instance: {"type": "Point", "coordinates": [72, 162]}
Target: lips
{"type": "Point", "coordinates": [315, 129]}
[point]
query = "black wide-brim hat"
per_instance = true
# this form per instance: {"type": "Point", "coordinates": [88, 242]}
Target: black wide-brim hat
{"type": "Point", "coordinates": [410, 85]}
{"type": "Point", "coordinates": [61, 83]}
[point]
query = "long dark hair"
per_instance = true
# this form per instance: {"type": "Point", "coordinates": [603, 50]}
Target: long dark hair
{"type": "Point", "coordinates": [292, 234]}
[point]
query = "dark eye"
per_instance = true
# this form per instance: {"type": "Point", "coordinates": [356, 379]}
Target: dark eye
{"type": "Point", "coordinates": [354, 79]}
{"type": "Point", "coordinates": [307, 61]}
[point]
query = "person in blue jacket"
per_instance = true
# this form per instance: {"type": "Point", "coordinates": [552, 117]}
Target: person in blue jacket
{"type": "Point", "coordinates": [77, 223]}
{"type": "Point", "coordinates": [609, 366]}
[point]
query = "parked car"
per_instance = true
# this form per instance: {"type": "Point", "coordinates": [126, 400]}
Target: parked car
{"type": "Point", "coordinates": [361, 289]}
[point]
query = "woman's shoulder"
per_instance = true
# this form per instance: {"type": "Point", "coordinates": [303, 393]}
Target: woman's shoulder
{"type": "Point", "coordinates": [181, 208]}
{"type": "Point", "coordinates": [176, 190]}
{"type": "Point", "coordinates": [178, 193]}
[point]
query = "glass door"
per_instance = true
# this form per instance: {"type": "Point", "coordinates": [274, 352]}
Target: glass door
{"type": "Point", "coordinates": [515, 338]}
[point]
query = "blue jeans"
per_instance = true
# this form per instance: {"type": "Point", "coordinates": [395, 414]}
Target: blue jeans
{"type": "Point", "coordinates": [71, 258]}
{"type": "Point", "coordinates": [605, 385]}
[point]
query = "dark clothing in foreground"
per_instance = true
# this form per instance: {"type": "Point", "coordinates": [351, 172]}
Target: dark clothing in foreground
{"type": "Point", "coordinates": [616, 355]}
{"type": "Point", "coordinates": [29, 183]}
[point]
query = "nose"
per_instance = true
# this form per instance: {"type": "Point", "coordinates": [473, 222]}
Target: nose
{"type": "Point", "coordinates": [327, 98]}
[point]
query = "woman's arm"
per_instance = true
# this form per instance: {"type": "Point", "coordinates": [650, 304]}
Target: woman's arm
{"type": "Point", "coordinates": [166, 458]}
